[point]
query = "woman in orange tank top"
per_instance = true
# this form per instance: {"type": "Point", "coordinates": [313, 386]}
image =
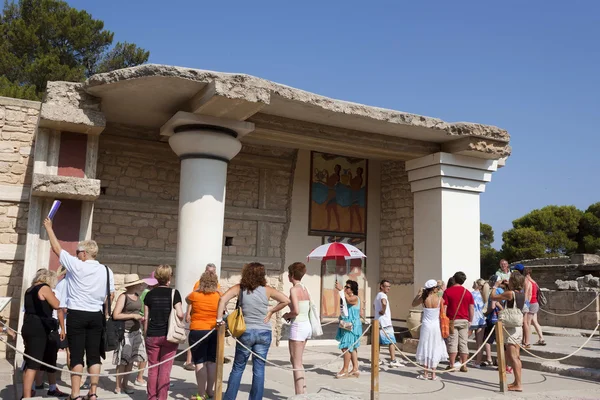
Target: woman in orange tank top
{"type": "Point", "coordinates": [203, 303]}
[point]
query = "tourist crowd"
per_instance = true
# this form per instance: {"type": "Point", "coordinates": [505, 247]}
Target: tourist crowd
{"type": "Point", "coordinates": [77, 310]}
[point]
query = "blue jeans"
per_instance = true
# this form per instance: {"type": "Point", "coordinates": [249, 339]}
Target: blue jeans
{"type": "Point", "coordinates": [259, 341]}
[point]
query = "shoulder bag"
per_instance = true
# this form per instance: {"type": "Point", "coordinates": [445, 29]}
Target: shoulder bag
{"type": "Point", "coordinates": [176, 332]}
{"type": "Point", "coordinates": [114, 331]}
{"type": "Point", "coordinates": [235, 320]}
{"type": "Point", "coordinates": [451, 324]}
{"type": "Point", "coordinates": [541, 297]}
{"type": "Point", "coordinates": [444, 322]}
{"type": "Point", "coordinates": [313, 317]}
{"type": "Point", "coordinates": [511, 317]}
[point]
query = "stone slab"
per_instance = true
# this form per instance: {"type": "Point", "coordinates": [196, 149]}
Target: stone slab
{"type": "Point", "coordinates": [65, 187]}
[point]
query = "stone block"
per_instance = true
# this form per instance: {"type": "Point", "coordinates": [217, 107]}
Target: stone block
{"type": "Point", "coordinates": [589, 319]}
{"type": "Point", "coordinates": [410, 345]}
{"type": "Point", "coordinates": [65, 187]}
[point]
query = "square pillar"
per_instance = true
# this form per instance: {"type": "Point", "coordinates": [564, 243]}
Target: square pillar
{"type": "Point", "coordinates": [446, 190]}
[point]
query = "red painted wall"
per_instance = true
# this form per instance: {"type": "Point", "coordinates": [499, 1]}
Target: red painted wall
{"type": "Point", "coordinates": [66, 226]}
{"type": "Point", "coordinates": [71, 157]}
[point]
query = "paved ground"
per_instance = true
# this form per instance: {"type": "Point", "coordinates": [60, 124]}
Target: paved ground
{"type": "Point", "coordinates": [394, 383]}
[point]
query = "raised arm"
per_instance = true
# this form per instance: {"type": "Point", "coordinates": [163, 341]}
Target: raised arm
{"type": "Point", "coordinates": [417, 301]}
{"type": "Point", "coordinates": [54, 243]}
{"type": "Point", "coordinates": [229, 294]}
{"type": "Point", "coordinates": [281, 299]}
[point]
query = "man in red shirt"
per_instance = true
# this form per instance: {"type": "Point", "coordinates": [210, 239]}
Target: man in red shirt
{"type": "Point", "coordinates": [460, 307]}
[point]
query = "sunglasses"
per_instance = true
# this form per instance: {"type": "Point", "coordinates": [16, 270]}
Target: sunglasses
{"type": "Point", "coordinates": [347, 287]}
{"type": "Point", "coordinates": [79, 251]}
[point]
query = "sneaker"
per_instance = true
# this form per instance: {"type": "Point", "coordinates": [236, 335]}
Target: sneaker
{"type": "Point", "coordinates": [476, 365]}
{"type": "Point", "coordinates": [56, 393]}
{"type": "Point", "coordinates": [448, 368]}
{"type": "Point", "coordinates": [396, 364]}
{"type": "Point", "coordinates": [86, 385]}
{"type": "Point", "coordinates": [456, 364]}
{"type": "Point", "coordinates": [139, 383]}
{"type": "Point", "coordinates": [381, 362]}
{"type": "Point", "coordinates": [464, 369]}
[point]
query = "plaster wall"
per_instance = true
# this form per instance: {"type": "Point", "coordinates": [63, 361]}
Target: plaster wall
{"type": "Point", "coordinates": [299, 244]}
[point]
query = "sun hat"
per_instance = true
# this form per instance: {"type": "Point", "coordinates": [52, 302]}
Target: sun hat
{"type": "Point", "coordinates": [151, 281]}
{"type": "Point", "coordinates": [431, 284]}
{"type": "Point", "coordinates": [131, 280]}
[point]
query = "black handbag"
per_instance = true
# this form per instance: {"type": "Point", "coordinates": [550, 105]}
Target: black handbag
{"type": "Point", "coordinates": [114, 331]}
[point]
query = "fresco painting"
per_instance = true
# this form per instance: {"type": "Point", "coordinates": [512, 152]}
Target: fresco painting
{"type": "Point", "coordinates": [338, 195]}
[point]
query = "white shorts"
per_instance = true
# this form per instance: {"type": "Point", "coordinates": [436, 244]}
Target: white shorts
{"type": "Point", "coordinates": [300, 331]}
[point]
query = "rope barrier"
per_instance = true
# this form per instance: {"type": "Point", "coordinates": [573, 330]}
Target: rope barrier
{"type": "Point", "coordinates": [300, 369]}
{"type": "Point", "coordinates": [105, 375]}
{"type": "Point", "coordinates": [453, 369]}
{"type": "Point", "coordinates": [554, 359]}
{"type": "Point", "coordinates": [573, 313]}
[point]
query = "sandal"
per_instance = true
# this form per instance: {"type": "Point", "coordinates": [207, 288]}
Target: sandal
{"type": "Point", "coordinates": [75, 398]}
{"type": "Point", "coordinates": [89, 396]}
{"type": "Point", "coordinates": [342, 375]}
{"type": "Point", "coordinates": [354, 374]}
{"type": "Point", "coordinates": [422, 377]}
{"type": "Point", "coordinates": [526, 346]}
{"type": "Point", "coordinates": [541, 343]}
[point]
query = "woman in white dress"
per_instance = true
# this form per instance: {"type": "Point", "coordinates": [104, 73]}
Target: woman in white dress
{"type": "Point", "coordinates": [431, 349]}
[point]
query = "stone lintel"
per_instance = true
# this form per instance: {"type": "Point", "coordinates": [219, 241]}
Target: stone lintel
{"type": "Point", "coordinates": [213, 100]}
{"type": "Point", "coordinates": [478, 147]}
{"type": "Point", "coordinates": [449, 171]}
{"type": "Point", "coordinates": [65, 187]}
{"type": "Point", "coordinates": [285, 132]}
{"type": "Point", "coordinates": [171, 207]}
{"type": "Point", "coordinates": [116, 255]}
{"type": "Point", "coordinates": [67, 107]}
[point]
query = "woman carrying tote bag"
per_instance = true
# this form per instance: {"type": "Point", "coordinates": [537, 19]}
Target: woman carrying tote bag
{"type": "Point", "coordinates": [512, 319]}
{"type": "Point", "coordinates": [158, 304]}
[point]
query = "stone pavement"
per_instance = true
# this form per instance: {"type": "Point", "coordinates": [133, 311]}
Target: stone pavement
{"type": "Point", "coordinates": [394, 383]}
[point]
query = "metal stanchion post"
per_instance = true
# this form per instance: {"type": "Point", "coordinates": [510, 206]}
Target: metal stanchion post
{"type": "Point", "coordinates": [220, 360]}
{"type": "Point", "coordinates": [375, 360]}
{"type": "Point", "coordinates": [501, 356]}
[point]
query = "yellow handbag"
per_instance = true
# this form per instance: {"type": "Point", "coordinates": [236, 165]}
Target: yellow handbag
{"type": "Point", "coordinates": [235, 320]}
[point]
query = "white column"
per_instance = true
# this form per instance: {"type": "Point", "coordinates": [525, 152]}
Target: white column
{"type": "Point", "coordinates": [205, 147]}
{"type": "Point", "coordinates": [446, 190]}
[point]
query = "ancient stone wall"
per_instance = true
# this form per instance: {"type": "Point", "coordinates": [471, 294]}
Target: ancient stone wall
{"type": "Point", "coordinates": [18, 123]}
{"type": "Point", "coordinates": [396, 262]}
{"type": "Point", "coordinates": [135, 218]}
{"type": "Point", "coordinates": [569, 302]}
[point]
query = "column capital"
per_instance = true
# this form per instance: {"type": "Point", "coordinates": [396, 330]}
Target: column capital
{"type": "Point", "coordinates": [200, 136]}
{"type": "Point", "coordinates": [449, 171]}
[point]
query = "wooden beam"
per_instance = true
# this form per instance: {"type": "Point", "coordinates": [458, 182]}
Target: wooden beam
{"type": "Point", "coordinates": [285, 132]}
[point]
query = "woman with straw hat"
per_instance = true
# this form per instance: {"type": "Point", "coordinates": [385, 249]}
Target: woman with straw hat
{"type": "Point", "coordinates": [132, 348]}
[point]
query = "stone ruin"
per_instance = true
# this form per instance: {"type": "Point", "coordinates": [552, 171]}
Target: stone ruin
{"type": "Point", "coordinates": [570, 284]}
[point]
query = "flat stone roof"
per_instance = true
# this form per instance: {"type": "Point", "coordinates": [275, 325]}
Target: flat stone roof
{"type": "Point", "coordinates": [149, 94]}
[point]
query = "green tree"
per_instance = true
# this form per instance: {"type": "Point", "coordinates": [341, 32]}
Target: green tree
{"type": "Point", "coordinates": [489, 256]}
{"type": "Point", "coordinates": [47, 40]}
{"type": "Point", "coordinates": [589, 230]}
{"type": "Point", "coordinates": [547, 232]}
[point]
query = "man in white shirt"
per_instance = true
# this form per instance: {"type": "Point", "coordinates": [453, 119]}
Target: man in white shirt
{"type": "Point", "coordinates": [503, 273]}
{"type": "Point", "coordinates": [86, 296]}
{"type": "Point", "coordinates": [386, 329]}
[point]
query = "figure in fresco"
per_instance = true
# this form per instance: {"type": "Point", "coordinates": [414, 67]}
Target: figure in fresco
{"type": "Point", "coordinates": [356, 186]}
{"type": "Point", "coordinates": [333, 181]}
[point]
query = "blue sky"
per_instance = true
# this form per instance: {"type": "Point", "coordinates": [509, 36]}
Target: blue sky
{"type": "Point", "coordinates": [531, 67]}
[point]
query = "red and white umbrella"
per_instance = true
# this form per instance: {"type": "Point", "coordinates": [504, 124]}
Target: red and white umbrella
{"type": "Point", "coordinates": [333, 251]}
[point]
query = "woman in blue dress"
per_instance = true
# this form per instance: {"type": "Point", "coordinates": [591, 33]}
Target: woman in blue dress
{"type": "Point", "coordinates": [350, 328]}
